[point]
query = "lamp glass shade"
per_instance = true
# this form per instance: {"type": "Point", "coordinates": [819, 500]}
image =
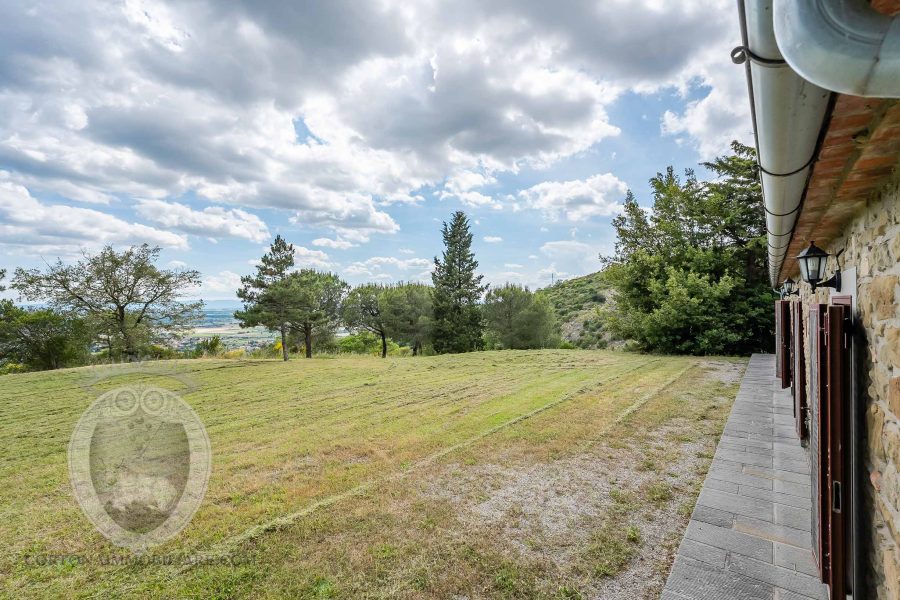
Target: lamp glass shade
{"type": "Point", "coordinates": [804, 270]}
{"type": "Point", "coordinates": [812, 263]}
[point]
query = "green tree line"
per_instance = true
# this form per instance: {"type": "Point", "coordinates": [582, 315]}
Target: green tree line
{"type": "Point", "coordinates": [120, 306]}
{"type": "Point", "coordinates": [687, 276]}
{"type": "Point", "coordinates": [457, 313]}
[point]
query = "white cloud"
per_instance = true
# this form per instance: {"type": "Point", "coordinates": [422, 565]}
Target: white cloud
{"type": "Point", "coordinates": [336, 111]}
{"type": "Point", "coordinates": [493, 239]}
{"type": "Point", "coordinates": [214, 222]}
{"type": "Point", "coordinates": [305, 258]}
{"type": "Point", "coordinates": [330, 243]}
{"type": "Point", "coordinates": [579, 199]}
{"type": "Point", "coordinates": [464, 181]}
{"type": "Point", "coordinates": [513, 266]}
{"type": "Point", "coordinates": [476, 199]}
{"type": "Point", "coordinates": [374, 267]}
{"type": "Point", "coordinates": [221, 285]}
{"type": "Point", "coordinates": [722, 113]}
{"type": "Point", "coordinates": [65, 230]}
{"type": "Point", "coordinates": [177, 264]}
{"type": "Point", "coordinates": [570, 258]}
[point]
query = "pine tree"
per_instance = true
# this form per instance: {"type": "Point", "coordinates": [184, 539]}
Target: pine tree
{"type": "Point", "coordinates": [267, 299]}
{"type": "Point", "coordinates": [457, 291]}
{"type": "Point", "coordinates": [316, 304]}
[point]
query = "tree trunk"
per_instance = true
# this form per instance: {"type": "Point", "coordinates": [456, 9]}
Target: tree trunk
{"type": "Point", "coordinates": [284, 347]}
{"type": "Point", "coordinates": [131, 352]}
{"type": "Point", "coordinates": [307, 339]}
{"type": "Point", "coordinates": [416, 348]}
{"type": "Point", "coordinates": [383, 345]}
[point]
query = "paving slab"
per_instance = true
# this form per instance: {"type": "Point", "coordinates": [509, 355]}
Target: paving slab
{"type": "Point", "coordinates": [749, 535]}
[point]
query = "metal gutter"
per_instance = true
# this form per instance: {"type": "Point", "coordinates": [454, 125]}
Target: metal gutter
{"type": "Point", "coordinates": [841, 45]}
{"type": "Point", "coordinates": [788, 114]}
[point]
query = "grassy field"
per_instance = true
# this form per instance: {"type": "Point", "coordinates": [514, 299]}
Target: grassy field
{"type": "Point", "coordinates": [558, 474]}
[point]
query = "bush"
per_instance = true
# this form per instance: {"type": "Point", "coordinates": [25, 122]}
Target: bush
{"type": "Point", "coordinates": [210, 347]}
{"type": "Point", "coordinates": [10, 368]}
{"type": "Point", "coordinates": [272, 350]}
{"type": "Point", "coordinates": [366, 343]}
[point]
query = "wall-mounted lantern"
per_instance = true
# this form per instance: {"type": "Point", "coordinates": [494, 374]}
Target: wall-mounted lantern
{"type": "Point", "coordinates": [812, 268]}
{"type": "Point", "coordinates": [788, 288]}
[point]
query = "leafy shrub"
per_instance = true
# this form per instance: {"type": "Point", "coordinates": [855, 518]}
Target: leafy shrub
{"type": "Point", "coordinates": [366, 342]}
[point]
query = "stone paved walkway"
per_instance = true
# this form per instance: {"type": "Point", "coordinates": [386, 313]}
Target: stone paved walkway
{"type": "Point", "coordinates": [749, 536]}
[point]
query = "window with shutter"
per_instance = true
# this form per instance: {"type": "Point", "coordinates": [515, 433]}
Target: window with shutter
{"type": "Point", "coordinates": [798, 380]}
{"type": "Point", "coordinates": [818, 436]}
{"type": "Point", "coordinates": [778, 371]}
{"type": "Point", "coordinates": [837, 346]}
{"type": "Point", "coordinates": [782, 342]}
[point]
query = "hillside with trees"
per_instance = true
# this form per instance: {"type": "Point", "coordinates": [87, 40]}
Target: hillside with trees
{"type": "Point", "coordinates": [576, 302]}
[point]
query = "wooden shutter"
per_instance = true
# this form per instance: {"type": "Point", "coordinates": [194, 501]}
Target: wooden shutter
{"type": "Point", "coordinates": [837, 344]}
{"type": "Point", "coordinates": [798, 360]}
{"type": "Point", "coordinates": [782, 342]}
{"type": "Point", "coordinates": [778, 370]}
{"type": "Point", "coordinates": [818, 438]}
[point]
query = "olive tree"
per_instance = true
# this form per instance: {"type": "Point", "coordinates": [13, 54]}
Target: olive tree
{"type": "Point", "coordinates": [125, 290]}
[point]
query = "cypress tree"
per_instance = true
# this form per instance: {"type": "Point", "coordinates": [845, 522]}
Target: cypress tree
{"type": "Point", "coordinates": [457, 291]}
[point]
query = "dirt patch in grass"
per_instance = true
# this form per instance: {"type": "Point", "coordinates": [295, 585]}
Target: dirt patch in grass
{"type": "Point", "coordinates": [605, 523]}
{"type": "Point", "coordinates": [725, 371]}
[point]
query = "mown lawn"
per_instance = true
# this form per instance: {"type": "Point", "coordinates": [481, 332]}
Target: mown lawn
{"type": "Point", "coordinates": [497, 474]}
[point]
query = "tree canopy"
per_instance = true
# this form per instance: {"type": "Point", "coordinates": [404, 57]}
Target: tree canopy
{"type": "Point", "coordinates": [364, 310]}
{"type": "Point", "coordinates": [318, 297]}
{"type": "Point", "coordinates": [268, 300]}
{"type": "Point", "coordinates": [408, 314]}
{"type": "Point", "coordinates": [516, 318]}
{"type": "Point", "coordinates": [689, 274]}
{"type": "Point", "coordinates": [124, 293]}
{"type": "Point", "coordinates": [41, 338]}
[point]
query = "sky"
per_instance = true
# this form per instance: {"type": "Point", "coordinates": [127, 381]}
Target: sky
{"type": "Point", "coordinates": [353, 129]}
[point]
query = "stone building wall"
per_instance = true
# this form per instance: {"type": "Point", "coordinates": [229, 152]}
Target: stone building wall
{"type": "Point", "coordinates": [871, 243]}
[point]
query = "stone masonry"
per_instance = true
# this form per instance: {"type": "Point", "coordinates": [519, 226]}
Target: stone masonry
{"type": "Point", "coordinates": [871, 243]}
